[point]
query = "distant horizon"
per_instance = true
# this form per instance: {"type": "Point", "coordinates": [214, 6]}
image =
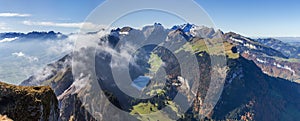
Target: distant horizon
{"type": "Point", "coordinates": [253, 18]}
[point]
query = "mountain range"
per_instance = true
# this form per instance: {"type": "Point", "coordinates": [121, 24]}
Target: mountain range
{"type": "Point", "coordinates": [11, 36]}
{"type": "Point", "coordinates": [261, 80]}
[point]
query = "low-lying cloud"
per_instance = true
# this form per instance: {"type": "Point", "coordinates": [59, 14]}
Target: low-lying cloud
{"type": "Point", "coordinates": [8, 39]}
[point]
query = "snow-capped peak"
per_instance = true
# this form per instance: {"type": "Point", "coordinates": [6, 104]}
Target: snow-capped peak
{"type": "Point", "coordinates": [185, 27]}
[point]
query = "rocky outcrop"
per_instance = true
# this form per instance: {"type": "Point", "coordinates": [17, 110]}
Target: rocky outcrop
{"type": "Point", "coordinates": [22, 103]}
{"type": "Point", "coordinates": [4, 118]}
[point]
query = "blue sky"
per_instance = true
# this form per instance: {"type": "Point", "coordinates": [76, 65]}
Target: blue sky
{"type": "Point", "coordinates": [255, 18]}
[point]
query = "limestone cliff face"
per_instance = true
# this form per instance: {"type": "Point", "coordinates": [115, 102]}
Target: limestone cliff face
{"type": "Point", "coordinates": [21, 103]}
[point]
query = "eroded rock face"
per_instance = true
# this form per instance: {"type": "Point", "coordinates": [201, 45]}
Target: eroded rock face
{"type": "Point", "coordinates": [21, 103]}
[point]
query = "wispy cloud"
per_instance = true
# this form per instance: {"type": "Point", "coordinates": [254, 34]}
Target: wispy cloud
{"type": "Point", "coordinates": [82, 25]}
{"type": "Point", "coordinates": [14, 15]}
{"type": "Point", "coordinates": [3, 26]}
{"type": "Point", "coordinates": [22, 55]}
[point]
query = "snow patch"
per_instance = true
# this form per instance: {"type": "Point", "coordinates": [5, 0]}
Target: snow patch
{"type": "Point", "coordinates": [284, 67]}
{"type": "Point", "coordinates": [246, 39]}
{"type": "Point", "coordinates": [185, 85]}
{"type": "Point", "coordinates": [246, 52]}
{"type": "Point", "coordinates": [123, 33]}
{"type": "Point", "coordinates": [261, 61]}
{"type": "Point", "coordinates": [236, 40]}
{"type": "Point", "coordinates": [250, 46]}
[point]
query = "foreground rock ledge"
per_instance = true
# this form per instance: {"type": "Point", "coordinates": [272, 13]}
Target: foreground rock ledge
{"type": "Point", "coordinates": [22, 103]}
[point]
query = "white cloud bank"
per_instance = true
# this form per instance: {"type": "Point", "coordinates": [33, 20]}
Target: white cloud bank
{"type": "Point", "coordinates": [80, 25]}
{"type": "Point", "coordinates": [14, 15]}
{"type": "Point", "coordinates": [8, 39]}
